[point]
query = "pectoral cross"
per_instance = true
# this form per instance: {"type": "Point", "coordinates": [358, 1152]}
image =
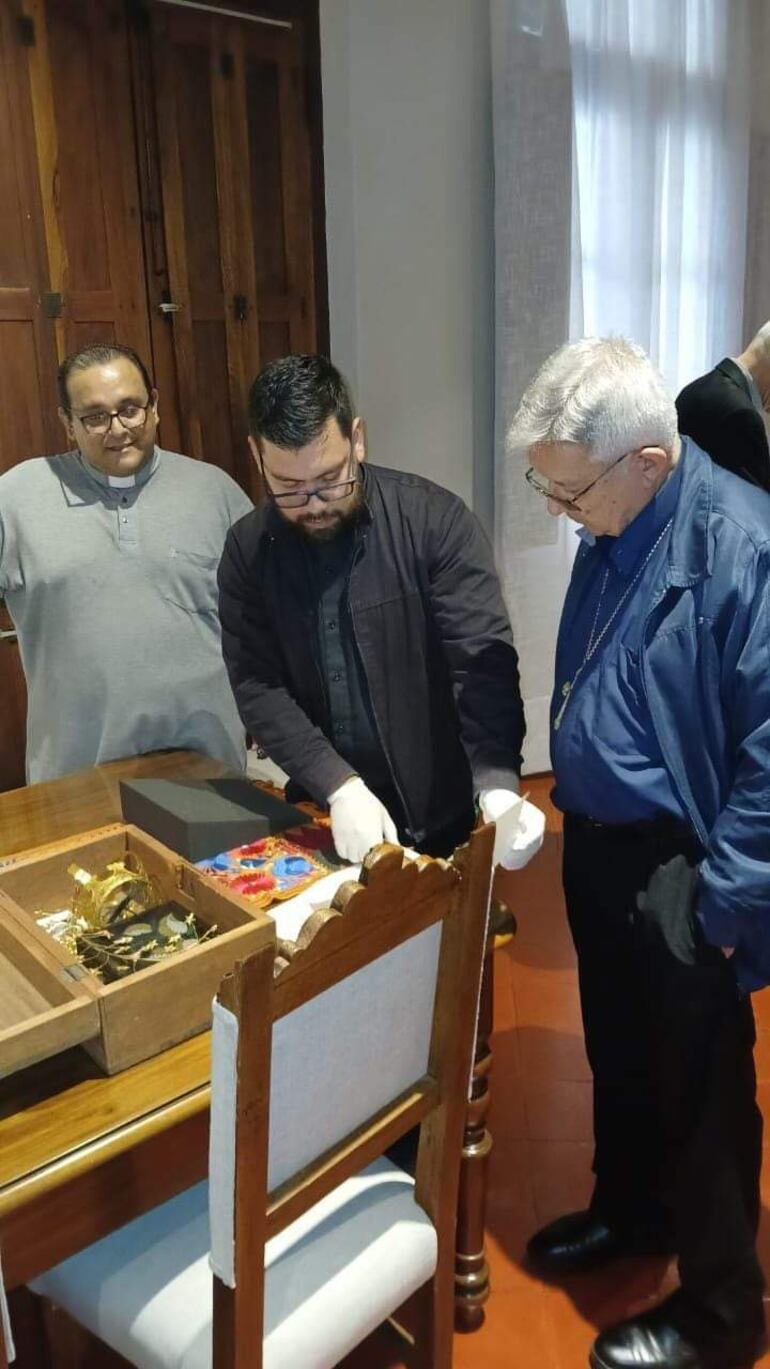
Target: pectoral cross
{"type": "Point", "coordinates": [566, 690]}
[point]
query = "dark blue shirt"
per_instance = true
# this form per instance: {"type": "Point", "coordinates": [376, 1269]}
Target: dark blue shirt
{"type": "Point", "coordinates": [605, 754]}
{"type": "Point", "coordinates": [353, 732]}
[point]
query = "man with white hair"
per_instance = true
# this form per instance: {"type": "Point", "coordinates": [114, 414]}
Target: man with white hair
{"type": "Point", "coordinates": [661, 755]}
{"type": "Point", "coordinates": [724, 411]}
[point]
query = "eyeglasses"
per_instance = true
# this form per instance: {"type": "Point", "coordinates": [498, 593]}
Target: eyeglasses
{"type": "Point", "coordinates": [130, 416]}
{"type": "Point", "coordinates": [534, 481]}
{"type": "Point", "coordinates": [298, 499]}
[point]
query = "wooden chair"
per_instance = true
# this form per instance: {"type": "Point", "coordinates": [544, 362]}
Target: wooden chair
{"type": "Point", "coordinates": [323, 1056]}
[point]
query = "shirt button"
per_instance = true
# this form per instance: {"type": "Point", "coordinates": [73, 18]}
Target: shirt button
{"type": "Point", "coordinates": [331, 624]}
{"type": "Point", "coordinates": [336, 677]}
{"type": "Point", "coordinates": [123, 518]}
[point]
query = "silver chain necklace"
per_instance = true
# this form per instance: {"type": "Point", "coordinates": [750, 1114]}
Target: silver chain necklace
{"type": "Point", "coordinates": [595, 641]}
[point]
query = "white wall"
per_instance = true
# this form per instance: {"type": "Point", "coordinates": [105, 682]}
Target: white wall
{"type": "Point", "coordinates": [409, 198]}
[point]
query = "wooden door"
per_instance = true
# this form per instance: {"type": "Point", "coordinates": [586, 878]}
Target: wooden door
{"type": "Point", "coordinates": [13, 714]}
{"type": "Point", "coordinates": [280, 184]}
{"type": "Point", "coordinates": [80, 77]}
{"type": "Point", "coordinates": [150, 156]}
{"type": "Point", "coordinates": [28, 422]}
{"type": "Point", "coordinates": [28, 426]}
{"type": "Point", "coordinates": [71, 254]}
{"type": "Point", "coordinates": [236, 188]}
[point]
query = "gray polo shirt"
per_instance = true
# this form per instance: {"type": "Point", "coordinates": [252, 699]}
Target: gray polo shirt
{"type": "Point", "coordinates": [112, 589]}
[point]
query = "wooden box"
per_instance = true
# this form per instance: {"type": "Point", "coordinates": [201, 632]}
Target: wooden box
{"type": "Point", "coordinates": [49, 1002]}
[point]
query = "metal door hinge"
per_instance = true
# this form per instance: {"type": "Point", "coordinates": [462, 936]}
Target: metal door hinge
{"type": "Point", "coordinates": [25, 25]}
{"type": "Point", "coordinates": [240, 307]}
{"type": "Point", "coordinates": [227, 65]}
{"type": "Point", "coordinates": [53, 304]}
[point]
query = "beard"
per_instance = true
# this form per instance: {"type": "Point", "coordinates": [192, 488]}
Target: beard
{"type": "Point", "coordinates": [326, 526]}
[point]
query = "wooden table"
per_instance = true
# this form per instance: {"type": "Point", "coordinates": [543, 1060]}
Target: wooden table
{"type": "Point", "coordinates": [81, 1153]}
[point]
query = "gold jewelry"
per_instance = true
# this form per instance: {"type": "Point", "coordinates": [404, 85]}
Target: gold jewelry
{"type": "Point", "coordinates": [123, 890]}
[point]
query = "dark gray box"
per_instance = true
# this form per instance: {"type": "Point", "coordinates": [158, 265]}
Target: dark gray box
{"type": "Point", "coordinates": [200, 818]}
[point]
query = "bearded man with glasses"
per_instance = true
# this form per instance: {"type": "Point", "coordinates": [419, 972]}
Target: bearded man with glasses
{"type": "Point", "coordinates": [108, 558]}
{"type": "Point", "coordinates": [364, 631]}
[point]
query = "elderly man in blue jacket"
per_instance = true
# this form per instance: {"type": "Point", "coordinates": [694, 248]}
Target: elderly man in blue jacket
{"type": "Point", "coordinates": [661, 754]}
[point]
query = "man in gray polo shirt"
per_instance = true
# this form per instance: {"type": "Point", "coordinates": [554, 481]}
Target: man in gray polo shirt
{"type": "Point", "coordinates": [108, 559]}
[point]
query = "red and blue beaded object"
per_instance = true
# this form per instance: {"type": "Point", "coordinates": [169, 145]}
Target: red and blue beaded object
{"type": "Point", "coordinates": [275, 868]}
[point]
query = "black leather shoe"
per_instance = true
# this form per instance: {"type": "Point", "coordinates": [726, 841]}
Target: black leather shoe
{"type": "Point", "coordinates": [582, 1241]}
{"type": "Point", "coordinates": [654, 1341]}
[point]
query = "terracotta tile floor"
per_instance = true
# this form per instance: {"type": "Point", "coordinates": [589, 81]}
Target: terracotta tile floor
{"type": "Point", "coordinates": [540, 1165]}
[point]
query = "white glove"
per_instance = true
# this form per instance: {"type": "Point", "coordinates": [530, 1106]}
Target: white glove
{"type": "Point", "coordinates": [359, 820]}
{"type": "Point", "coordinates": [520, 827]}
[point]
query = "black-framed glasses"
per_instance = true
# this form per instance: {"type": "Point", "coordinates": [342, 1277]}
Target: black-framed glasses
{"type": "Point", "coordinates": [298, 499]}
{"type": "Point", "coordinates": [129, 416]}
{"type": "Point", "coordinates": [533, 480]}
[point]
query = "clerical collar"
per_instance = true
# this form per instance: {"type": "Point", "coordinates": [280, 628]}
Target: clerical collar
{"type": "Point", "coordinates": [120, 482]}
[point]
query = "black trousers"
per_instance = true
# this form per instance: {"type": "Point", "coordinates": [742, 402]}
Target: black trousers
{"type": "Point", "coordinates": [670, 1041]}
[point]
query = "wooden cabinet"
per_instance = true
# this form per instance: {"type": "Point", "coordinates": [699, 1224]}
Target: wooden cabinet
{"type": "Point", "coordinates": [161, 185]}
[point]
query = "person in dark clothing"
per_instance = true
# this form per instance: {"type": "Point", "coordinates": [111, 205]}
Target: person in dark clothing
{"type": "Point", "coordinates": [723, 411]}
{"type": "Point", "coordinates": [364, 632]}
{"type": "Point", "coordinates": [660, 745]}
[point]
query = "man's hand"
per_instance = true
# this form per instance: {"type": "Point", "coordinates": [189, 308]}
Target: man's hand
{"type": "Point", "coordinates": [515, 848]}
{"type": "Point", "coordinates": [359, 820]}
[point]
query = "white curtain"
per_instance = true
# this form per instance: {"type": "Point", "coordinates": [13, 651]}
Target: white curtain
{"type": "Point", "coordinates": [621, 162]}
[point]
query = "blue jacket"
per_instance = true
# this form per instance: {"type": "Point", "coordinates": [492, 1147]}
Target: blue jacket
{"type": "Point", "coordinates": [706, 670]}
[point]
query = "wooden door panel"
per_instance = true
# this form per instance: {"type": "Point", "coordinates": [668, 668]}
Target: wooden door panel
{"type": "Point", "coordinates": [84, 129]}
{"type": "Point", "coordinates": [279, 171]}
{"type": "Point", "coordinates": [235, 168]}
{"type": "Point", "coordinates": [13, 714]}
{"type": "Point", "coordinates": [28, 424]}
{"type": "Point", "coordinates": [265, 172]}
{"type": "Point", "coordinates": [274, 340]}
{"type": "Point", "coordinates": [202, 141]}
{"type": "Point", "coordinates": [210, 345]}
{"type": "Point", "coordinates": [297, 201]}
{"type": "Point", "coordinates": [21, 385]}
{"type": "Point", "coordinates": [236, 227]}
{"type": "Point", "coordinates": [191, 217]}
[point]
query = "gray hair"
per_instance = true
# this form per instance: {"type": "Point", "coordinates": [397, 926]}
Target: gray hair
{"type": "Point", "coordinates": [603, 393]}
